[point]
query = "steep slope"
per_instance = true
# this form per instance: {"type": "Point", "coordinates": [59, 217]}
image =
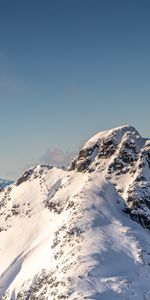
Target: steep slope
{"type": "Point", "coordinates": [66, 234]}
{"type": "Point", "coordinates": [124, 157]}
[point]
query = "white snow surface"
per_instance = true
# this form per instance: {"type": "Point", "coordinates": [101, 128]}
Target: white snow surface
{"type": "Point", "coordinates": [64, 235]}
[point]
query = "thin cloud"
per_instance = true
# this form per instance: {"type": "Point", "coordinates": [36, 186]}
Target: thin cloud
{"type": "Point", "coordinates": [58, 157]}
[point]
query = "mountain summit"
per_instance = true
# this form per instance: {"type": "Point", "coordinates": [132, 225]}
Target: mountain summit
{"type": "Point", "coordinates": [81, 233]}
{"type": "Point", "coordinates": [124, 157]}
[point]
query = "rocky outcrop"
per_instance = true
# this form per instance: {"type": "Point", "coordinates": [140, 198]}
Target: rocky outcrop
{"type": "Point", "coordinates": [32, 173]}
{"type": "Point", "coordinates": [122, 154]}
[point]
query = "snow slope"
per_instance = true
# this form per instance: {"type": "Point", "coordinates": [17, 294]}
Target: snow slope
{"type": "Point", "coordinates": [69, 235]}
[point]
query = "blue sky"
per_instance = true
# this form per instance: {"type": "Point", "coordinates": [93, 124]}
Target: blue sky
{"type": "Point", "coordinates": [69, 69]}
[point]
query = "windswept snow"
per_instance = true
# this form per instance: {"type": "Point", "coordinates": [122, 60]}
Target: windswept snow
{"type": "Point", "coordinates": [65, 235]}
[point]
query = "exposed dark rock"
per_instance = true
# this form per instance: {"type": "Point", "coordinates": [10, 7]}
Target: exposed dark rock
{"type": "Point", "coordinates": [107, 148]}
{"type": "Point", "coordinates": [26, 176]}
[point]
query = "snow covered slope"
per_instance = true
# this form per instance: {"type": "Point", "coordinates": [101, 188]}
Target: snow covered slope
{"type": "Point", "coordinates": [69, 235]}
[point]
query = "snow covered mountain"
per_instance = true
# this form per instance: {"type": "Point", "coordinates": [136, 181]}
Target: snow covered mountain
{"type": "Point", "coordinates": [81, 233]}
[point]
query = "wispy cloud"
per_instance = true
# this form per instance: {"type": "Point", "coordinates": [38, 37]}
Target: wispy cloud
{"type": "Point", "coordinates": [57, 157]}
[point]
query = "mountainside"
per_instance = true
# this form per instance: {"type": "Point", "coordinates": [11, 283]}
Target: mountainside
{"type": "Point", "coordinates": [81, 233]}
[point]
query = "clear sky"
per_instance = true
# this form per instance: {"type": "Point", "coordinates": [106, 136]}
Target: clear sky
{"type": "Point", "coordinates": [68, 69]}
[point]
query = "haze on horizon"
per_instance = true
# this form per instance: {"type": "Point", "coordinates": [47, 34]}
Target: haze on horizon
{"type": "Point", "coordinates": [69, 69]}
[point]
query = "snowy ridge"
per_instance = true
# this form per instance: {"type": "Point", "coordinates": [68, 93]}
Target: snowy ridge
{"type": "Point", "coordinates": [68, 235]}
{"type": "Point", "coordinates": [124, 157]}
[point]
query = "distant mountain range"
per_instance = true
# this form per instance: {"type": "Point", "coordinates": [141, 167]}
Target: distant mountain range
{"type": "Point", "coordinates": [81, 233]}
{"type": "Point", "coordinates": [4, 183]}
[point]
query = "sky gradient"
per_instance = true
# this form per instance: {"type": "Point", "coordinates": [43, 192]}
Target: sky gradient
{"type": "Point", "coordinates": [69, 69]}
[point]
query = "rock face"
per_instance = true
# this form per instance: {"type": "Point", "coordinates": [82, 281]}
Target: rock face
{"type": "Point", "coordinates": [123, 155]}
{"type": "Point", "coordinates": [76, 233]}
{"type": "Point", "coordinates": [120, 144]}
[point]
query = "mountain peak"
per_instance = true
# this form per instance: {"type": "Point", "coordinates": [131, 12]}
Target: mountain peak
{"type": "Point", "coordinates": [66, 234]}
{"type": "Point", "coordinates": [103, 145]}
{"type": "Point", "coordinates": [116, 133]}
{"type": "Point", "coordinates": [123, 156]}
